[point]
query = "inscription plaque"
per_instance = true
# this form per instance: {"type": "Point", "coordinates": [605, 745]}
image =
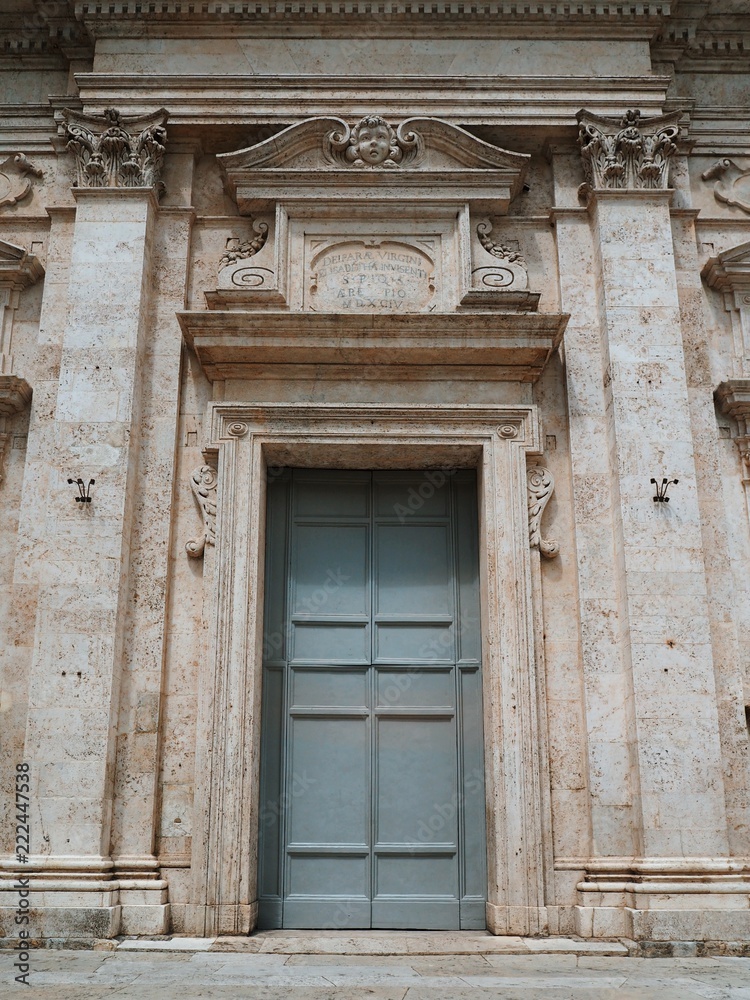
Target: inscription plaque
{"type": "Point", "coordinates": [372, 276]}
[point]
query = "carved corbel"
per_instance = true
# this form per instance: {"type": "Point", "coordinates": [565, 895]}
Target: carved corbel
{"type": "Point", "coordinates": [540, 486]}
{"type": "Point", "coordinates": [203, 482]}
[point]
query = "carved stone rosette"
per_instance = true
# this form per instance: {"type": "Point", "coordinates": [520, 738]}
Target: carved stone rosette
{"type": "Point", "coordinates": [203, 482]}
{"type": "Point", "coordinates": [540, 486]}
{"type": "Point", "coordinates": [112, 151]}
{"type": "Point", "coordinates": [627, 153]}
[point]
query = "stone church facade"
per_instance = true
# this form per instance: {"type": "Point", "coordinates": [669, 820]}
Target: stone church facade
{"type": "Point", "coordinates": [374, 457]}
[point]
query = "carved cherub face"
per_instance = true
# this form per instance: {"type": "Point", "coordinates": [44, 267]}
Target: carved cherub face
{"type": "Point", "coordinates": [374, 143]}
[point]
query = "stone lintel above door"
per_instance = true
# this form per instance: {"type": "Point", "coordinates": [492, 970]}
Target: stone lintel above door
{"type": "Point", "coordinates": [501, 346]}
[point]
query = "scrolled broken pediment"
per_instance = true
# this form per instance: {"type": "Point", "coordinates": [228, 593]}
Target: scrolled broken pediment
{"type": "Point", "coordinates": [353, 158]}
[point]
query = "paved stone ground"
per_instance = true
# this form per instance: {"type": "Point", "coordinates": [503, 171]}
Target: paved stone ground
{"type": "Point", "coordinates": [152, 975]}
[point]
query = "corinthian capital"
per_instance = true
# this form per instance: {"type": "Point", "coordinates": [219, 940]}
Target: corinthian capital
{"type": "Point", "coordinates": [627, 153]}
{"type": "Point", "coordinates": [113, 151]}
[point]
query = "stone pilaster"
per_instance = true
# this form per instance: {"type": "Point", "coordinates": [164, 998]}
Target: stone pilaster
{"type": "Point", "coordinates": [661, 588]}
{"type": "Point", "coordinates": [84, 549]}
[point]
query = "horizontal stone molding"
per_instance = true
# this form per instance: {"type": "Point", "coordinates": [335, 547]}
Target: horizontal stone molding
{"type": "Point", "coordinates": [229, 343]}
{"type": "Point", "coordinates": [473, 100]}
{"type": "Point", "coordinates": [92, 14]}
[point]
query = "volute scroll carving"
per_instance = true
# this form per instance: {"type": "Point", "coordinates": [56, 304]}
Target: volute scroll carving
{"type": "Point", "coordinates": [540, 485]}
{"type": "Point", "coordinates": [203, 482]}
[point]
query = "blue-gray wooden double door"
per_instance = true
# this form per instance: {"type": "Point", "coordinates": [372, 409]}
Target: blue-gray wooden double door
{"type": "Point", "coordinates": [372, 773]}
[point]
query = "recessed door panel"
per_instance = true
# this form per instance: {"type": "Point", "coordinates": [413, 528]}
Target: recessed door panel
{"type": "Point", "coordinates": [372, 791]}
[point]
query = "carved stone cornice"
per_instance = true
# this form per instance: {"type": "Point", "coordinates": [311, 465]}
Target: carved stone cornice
{"type": "Point", "coordinates": [18, 270]}
{"type": "Point", "coordinates": [15, 394]}
{"type": "Point", "coordinates": [733, 399]}
{"type": "Point", "coordinates": [176, 13]}
{"type": "Point", "coordinates": [628, 153]}
{"type": "Point", "coordinates": [729, 271]}
{"type": "Point", "coordinates": [113, 151]}
{"type": "Point", "coordinates": [18, 267]}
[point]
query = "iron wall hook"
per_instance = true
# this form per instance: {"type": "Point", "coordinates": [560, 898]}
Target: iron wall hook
{"type": "Point", "coordinates": [84, 491]}
{"type": "Point", "coordinates": [661, 489]}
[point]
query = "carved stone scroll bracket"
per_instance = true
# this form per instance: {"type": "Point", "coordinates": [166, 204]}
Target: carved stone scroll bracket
{"type": "Point", "coordinates": [733, 399]}
{"type": "Point", "coordinates": [248, 266]}
{"type": "Point", "coordinates": [732, 185]}
{"type": "Point", "coordinates": [203, 482]}
{"type": "Point", "coordinates": [15, 178]}
{"type": "Point", "coordinates": [114, 151]}
{"type": "Point", "coordinates": [628, 153]}
{"type": "Point", "coordinates": [508, 267]}
{"type": "Point", "coordinates": [15, 395]}
{"type": "Point", "coordinates": [540, 486]}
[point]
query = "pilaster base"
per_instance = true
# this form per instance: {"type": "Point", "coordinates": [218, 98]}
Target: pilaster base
{"type": "Point", "coordinates": [525, 921]}
{"type": "Point", "coordinates": [80, 899]}
{"type": "Point", "coordinates": [689, 899]}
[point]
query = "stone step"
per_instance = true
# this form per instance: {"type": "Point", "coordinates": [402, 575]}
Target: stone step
{"type": "Point", "coordinates": [380, 943]}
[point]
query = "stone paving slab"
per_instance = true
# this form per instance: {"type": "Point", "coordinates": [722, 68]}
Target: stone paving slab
{"type": "Point", "coordinates": [128, 975]}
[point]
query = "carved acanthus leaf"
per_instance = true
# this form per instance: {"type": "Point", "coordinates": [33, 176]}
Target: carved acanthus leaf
{"type": "Point", "coordinates": [116, 152]}
{"type": "Point", "coordinates": [732, 185]}
{"type": "Point", "coordinates": [540, 488]}
{"type": "Point", "coordinates": [239, 249]}
{"type": "Point", "coordinates": [500, 250]}
{"type": "Point", "coordinates": [373, 142]}
{"type": "Point", "coordinates": [15, 178]}
{"type": "Point", "coordinates": [203, 482]}
{"type": "Point", "coordinates": [629, 152]}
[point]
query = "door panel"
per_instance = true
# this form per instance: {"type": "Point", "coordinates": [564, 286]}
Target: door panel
{"type": "Point", "coordinates": [372, 795]}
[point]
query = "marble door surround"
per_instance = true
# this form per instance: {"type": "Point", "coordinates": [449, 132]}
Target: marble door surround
{"type": "Point", "coordinates": [246, 443]}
